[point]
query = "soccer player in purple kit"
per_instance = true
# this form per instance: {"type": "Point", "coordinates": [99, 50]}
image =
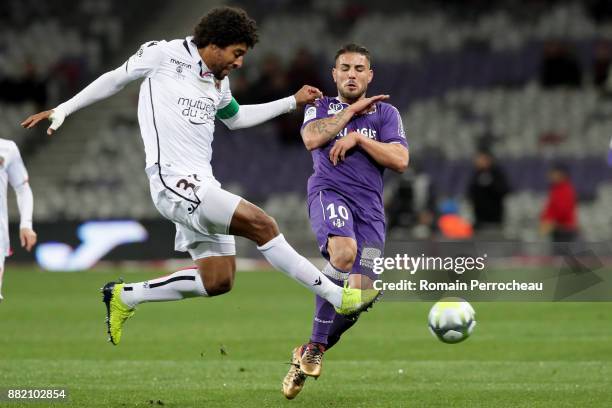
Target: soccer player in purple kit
{"type": "Point", "coordinates": [353, 139]}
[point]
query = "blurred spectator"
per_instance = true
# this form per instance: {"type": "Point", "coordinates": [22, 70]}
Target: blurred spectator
{"type": "Point", "coordinates": [451, 224]}
{"type": "Point", "coordinates": [302, 71]}
{"type": "Point", "coordinates": [600, 10]}
{"type": "Point", "coordinates": [28, 88]}
{"type": "Point", "coordinates": [350, 13]}
{"type": "Point", "coordinates": [559, 218]}
{"type": "Point", "coordinates": [559, 66]}
{"type": "Point", "coordinates": [413, 204]}
{"type": "Point", "coordinates": [486, 191]}
{"type": "Point", "coordinates": [601, 63]}
{"type": "Point", "coordinates": [401, 211]}
{"type": "Point", "coordinates": [486, 141]}
{"type": "Point", "coordinates": [240, 86]}
{"type": "Point", "coordinates": [70, 71]}
{"type": "Point", "coordinates": [272, 83]}
{"type": "Point", "coordinates": [341, 14]}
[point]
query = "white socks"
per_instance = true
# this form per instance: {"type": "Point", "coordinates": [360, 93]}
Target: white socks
{"type": "Point", "coordinates": [284, 258]}
{"type": "Point", "coordinates": [188, 283]}
{"type": "Point", "coordinates": [179, 285]}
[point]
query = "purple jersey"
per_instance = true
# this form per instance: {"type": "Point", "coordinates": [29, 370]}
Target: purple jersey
{"type": "Point", "coordinates": [358, 178]}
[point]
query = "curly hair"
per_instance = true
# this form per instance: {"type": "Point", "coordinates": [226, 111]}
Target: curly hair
{"type": "Point", "coordinates": [224, 26]}
{"type": "Point", "coordinates": [356, 48]}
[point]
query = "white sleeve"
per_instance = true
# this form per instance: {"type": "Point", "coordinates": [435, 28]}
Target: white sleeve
{"type": "Point", "coordinates": [17, 173]}
{"type": "Point", "coordinates": [226, 94]}
{"type": "Point", "coordinates": [18, 177]}
{"type": "Point", "coordinates": [252, 115]}
{"type": "Point", "coordinates": [143, 63]}
{"type": "Point", "coordinates": [25, 203]}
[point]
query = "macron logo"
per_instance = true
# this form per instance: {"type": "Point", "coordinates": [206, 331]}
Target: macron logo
{"type": "Point", "coordinates": [180, 63]}
{"type": "Point", "coordinates": [317, 282]}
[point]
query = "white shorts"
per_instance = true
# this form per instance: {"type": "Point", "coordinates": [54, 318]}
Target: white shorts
{"type": "Point", "coordinates": [200, 209]}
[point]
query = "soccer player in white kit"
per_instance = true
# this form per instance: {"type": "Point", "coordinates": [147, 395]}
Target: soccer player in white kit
{"type": "Point", "coordinates": [185, 88]}
{"type": "Point", "coordinates": [14, 172]}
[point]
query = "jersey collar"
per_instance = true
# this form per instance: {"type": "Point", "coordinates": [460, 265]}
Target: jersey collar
{"type": "Point", "coordinates": [338, 100]}
{"type": "Point", "coordinates": [192, 49]}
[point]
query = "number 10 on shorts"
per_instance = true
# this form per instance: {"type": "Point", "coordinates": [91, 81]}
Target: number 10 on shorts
{"type": "Point", "coordinates": [333, 215]}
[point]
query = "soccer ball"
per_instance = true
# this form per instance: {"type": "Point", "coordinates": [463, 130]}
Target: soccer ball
{"type": "Point", "coordinates": [452, 320]}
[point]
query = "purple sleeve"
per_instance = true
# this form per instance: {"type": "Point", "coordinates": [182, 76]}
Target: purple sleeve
{"type": "Point", "coordinates": [314, 111]}
{"type": "Point", "coordinates": [392, 128]}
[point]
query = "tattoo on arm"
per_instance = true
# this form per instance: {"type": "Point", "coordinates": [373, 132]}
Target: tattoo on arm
{"type": "Point", "coordinates": [329, 127]}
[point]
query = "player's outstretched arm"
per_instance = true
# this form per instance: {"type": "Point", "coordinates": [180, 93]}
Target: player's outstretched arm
{"type": "Point", "coordinates": [251, 115]}
{"type": "Point", "coordinates": [318, 132]}
{"type": "Point", "coordinates": [106, 85]}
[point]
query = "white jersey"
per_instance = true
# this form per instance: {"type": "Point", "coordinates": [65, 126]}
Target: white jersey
{"type": "Point", "coordinates": [179, 100]}
{"type": "Point", "coordinates": [14, 172]}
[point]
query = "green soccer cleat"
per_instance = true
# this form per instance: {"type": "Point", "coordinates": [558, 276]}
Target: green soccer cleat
{"type": "Point", "coordinates": [116, 311]}
{"type": "Point", "coordinates": [356, 300]}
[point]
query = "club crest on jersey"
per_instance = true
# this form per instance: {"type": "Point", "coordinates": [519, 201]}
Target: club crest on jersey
{"type": "Point", "coordinates": [1, 162]}
{"type": "Point", "coordinates": [334, 108]}
{"type": "Point", "coordinates": [179, 72]}
{"type": "Point", "coordinates": [372, 110]}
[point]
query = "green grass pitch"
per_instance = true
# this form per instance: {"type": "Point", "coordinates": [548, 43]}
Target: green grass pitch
{"type": "Point", "coordinates": [521, 355]}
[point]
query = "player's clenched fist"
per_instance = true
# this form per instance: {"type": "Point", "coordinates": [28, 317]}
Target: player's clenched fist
{"type": "Point", "coordinates": [307, 94]}
{"type": "Point", "coordinates": [27, 236]}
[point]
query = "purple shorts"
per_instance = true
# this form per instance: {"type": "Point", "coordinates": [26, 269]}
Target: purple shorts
{"type": "Point", "coordinates": [332, 214]}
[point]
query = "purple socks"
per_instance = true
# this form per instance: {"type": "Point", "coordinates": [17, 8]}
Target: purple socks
{"type": "Point", "coordinates": [327, 325]}
{"type": "Point", "coordinates": [323, 318]}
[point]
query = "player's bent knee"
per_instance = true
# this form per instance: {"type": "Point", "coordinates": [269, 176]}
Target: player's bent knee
{"type": "Point", "coordinates": [219, 284]}
{"type": "Point", "coordinates": [343, 258]}
{"type": "Point", "coordinates": [265, 227]}
{"type": "Point", "coordinates": [252, 222]}
{"type": "Point", "coordinates": [217, 274]}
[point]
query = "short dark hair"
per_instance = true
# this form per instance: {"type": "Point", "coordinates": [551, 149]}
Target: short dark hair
{"type": "Point", "coordinates": [560, 167]}
{"type": "Point", "coordinates": [352, 47]}
{"type": "Point", "coordinates": [224, 26]}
